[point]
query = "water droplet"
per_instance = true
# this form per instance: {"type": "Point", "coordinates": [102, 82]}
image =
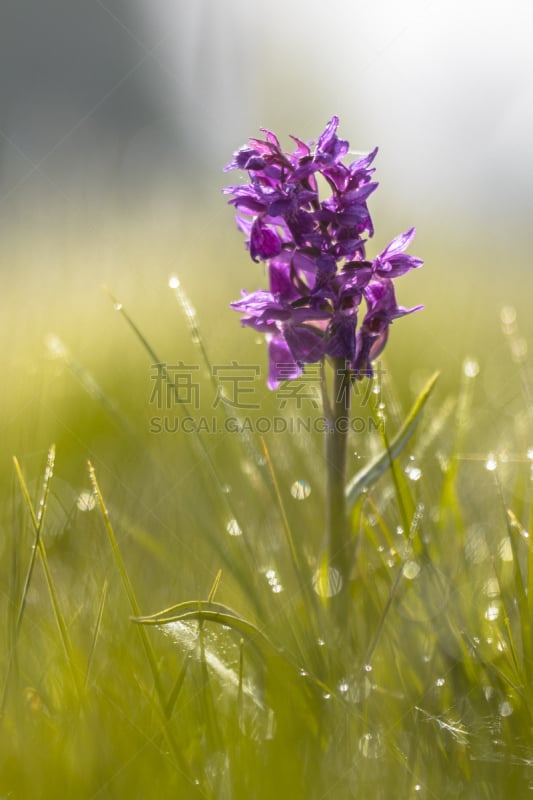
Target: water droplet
{"type": "Point", "coordinates": [488, 691]}
{"type": "Point", "coordinates": [508, 315]}
{"type": "Point", "coordinates": [321, 642]}
{"type": "Point", "coordinates": [226, 489]}
{"type": "Point", "coordinates": [55, 346]}
{"type": "Point", "coordinates": [399, 530]}
{"type": "Point", "coordinates": [505, 549]}
{"type": "Point", "coordinates": [411, 569]}
{"type": "Point", "coordinates": [505, 709]}
{"type": "Point", "coordinates": [277, 588]}
{"type": "Point", "coordinates": [368, 668]}
{"type": "Point", "coordinates": [117, 306]}
{"type": "Point", "coordinates": [440, 682]}
{"type": "Point", "coordinates": [492, 587]}
{"type": "Point", "coordinates": [492, 613]}
{"type": "Point", "coordinates": [327, 583]}
{"type": "Point", "coordinates": [86, 501]}
{"type": "Point", "coordinates": [491, 463]}
{"type": "Point", "coordinates": [470, 368]}
{"type": "Point", "coordinates": [413, 473]}
{"type": "Point", "coordinates": [371, 745]}
{"type": "Point", "coordinates": [173, 282]}
{"type": "Point", "coordinates": [417, 787]}
{"type": "Point", "coordinates": [233, 528]}
{"type": "Point", "coordinates": [326, 695]}
{"type": "Point", "coordinates": [344, 687]}
{"type": "Point", "coordinates": [300, 490]}
{"type": "Point", "coordinates": [530, 453]}
{"type": "Point", "coordinates": [303, 673]}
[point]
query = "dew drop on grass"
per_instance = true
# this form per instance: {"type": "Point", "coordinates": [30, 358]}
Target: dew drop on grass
{"type": "Point", "coordinates": [470, 368]}
{"type": "Point", "coordinates": [530, 453]}
{"type": "Point", "coordinates": [327, 583]}
{"type": "Point", "coordinates": [488, 691]}
{"type": "Point", "coordinates": [173, 282]}
{"type": "Point", "coordinates": [491, 463]}
{"type": "Point", "coordinates": [55, 346]}
{"type": "Point", "coordinates": [505, 709]}
{"type": "Point", "coordinates": [233, 528]}
{"type": "Point", "coordinates": [117, 306]}
{"type": "Point", "coordinates": [300, 490]}
{"type": "Point", "coordinates": [273, 581]}
{"type": "Point", "coordinates": [492, 613]}
{"type": "Point", "coordinates": [344, 686]}
{"type": "Point", "coordinates": [371, 745]}
{"type": "Point", "coordinates": [368, 668]}
{"type": "Point", "coordinates": [413, 473]}
{"type": "Point", "coordinates": [411, 570]}
{"type": "Point", "coordinates": [440, 682]}
{"type": "Point", "coordinates": [86, 501]}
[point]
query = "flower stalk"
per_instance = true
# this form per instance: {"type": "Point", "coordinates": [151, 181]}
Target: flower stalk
{"type": "Point", "coordinates": [338, 544]}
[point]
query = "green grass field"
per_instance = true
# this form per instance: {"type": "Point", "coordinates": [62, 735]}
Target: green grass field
{"type": "Point", "coordinates": [247, 687]}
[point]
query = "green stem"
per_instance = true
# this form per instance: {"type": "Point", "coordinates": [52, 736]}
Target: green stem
{"type": "Point", "coordinates": [337, 411]}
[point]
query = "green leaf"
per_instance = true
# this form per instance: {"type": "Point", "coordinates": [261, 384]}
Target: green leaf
{"type": "Point", "coordinates": [369, 475]}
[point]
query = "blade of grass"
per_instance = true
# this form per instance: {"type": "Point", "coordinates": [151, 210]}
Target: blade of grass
{"type": "Point", "coordinates": [370, 474]}
{"type": "Point", "coordinates": [96, 632]}
{"type": "Point", "coordinates": [214, 587]}
{"type": "Point", "coordinates": [177, 687]}
{"type": "Point", "coordinates": [37, 520]}
{"type": "Point", "coordinates": [150, 656]}
{"type": "Point", "coordinates": [214, 612]}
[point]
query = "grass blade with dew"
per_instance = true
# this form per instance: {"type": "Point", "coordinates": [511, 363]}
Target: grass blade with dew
{"type": "Point", "coordinates": [244, 437]}
{"type": "Point", "coordinates": [299, 566]}
{"type": "Point", "coordinates": [240, 570]}
{"type": "Point", "coordinates": [150, 656]}
{"type": "Point", "coordinates": [37, 519]}
{"type": "Point", "coordinates": [282, 676]}
{"type": "Point", "coordinates": [222, 615]}
{"type": "Point", "coordinates": [519, 597]}
{"type": "Point", "coordinates": [37, 524]}
{"type": "Point", "coordinates": [58, 350]}
{"type": "Point", "coordinates": [370, 474]}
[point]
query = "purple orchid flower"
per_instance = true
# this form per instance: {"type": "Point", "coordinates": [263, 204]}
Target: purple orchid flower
{"type": "Point", "coordinates": [315, 252]}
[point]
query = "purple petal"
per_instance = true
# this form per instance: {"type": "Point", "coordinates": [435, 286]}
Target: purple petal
{"type": "Point", "coordinates": [281, 363]}
{"type": "Point", "coordinates": [306, 345]}
{"type": "Point", "coordinates": [264, 242]}
{"type": "Point", "coordinates": [399, 243]}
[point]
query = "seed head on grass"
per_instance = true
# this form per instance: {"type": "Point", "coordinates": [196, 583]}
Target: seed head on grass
{"type": "Point", "coordinates": [314, 248]}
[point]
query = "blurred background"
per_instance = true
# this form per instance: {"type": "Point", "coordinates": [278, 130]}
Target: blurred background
{"type": "Point", "coordinates": [117, 117]}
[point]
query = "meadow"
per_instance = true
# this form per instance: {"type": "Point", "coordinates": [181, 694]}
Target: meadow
{"type": "Point", "coordinates": [165, 629]}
